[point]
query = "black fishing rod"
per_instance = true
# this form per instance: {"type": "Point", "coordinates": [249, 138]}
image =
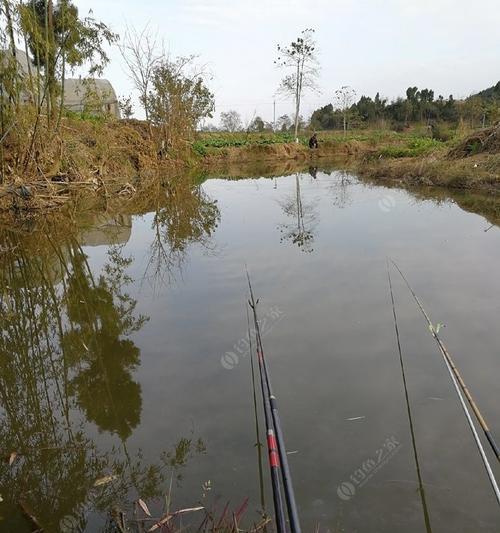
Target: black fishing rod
{"type": "Point", "coordinates": [274, 460]}
{"type": "Point", "coordinates": [256, 417]}
{"type": "Point", "coordinates": [460, 388]}
{"type": "Point", "coordinates": [275, 432]}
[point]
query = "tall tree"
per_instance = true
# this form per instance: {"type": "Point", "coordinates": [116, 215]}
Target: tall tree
{"type": "Point", "coordinates": [344, 99]}
{"type": "Point", "coordinates": [257, 124]}
{"type": "Point", "coordinates": [57, 36]}
{"type": "Point", "coordinates": [284, 123]}
{"type": "Point", "coordinates": [300, 58]}
{"type": "Point", "coordinates": [142, 53]}
{"type": "Point", "coordinates": [231, 121]}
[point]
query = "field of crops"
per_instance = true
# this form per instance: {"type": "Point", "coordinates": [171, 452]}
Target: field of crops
{"type": "Point", "coordinates": [388, 143]}
{"type": "Point", "coordinates": [413, 147]}
{"type": "Point", "coordinates": [206, 141]}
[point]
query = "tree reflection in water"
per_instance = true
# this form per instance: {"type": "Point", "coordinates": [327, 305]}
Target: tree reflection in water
{"type": "Point", "coordinates": [97, 345]}
{"type": "Point", "coordinates": [183, 215]}
{"type": "Point", "coordinates": [66, 361]}
{"type": "Point", "coordinates": [301, 231]}
{"type": "Point", "coordinates": [340, 189]}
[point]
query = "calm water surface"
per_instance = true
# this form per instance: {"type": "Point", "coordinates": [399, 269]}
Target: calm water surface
{"type": "Point", "coordinates": [123, 357]}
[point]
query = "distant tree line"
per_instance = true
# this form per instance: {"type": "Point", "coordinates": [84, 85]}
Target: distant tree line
{"type": "Point", "coordinates": [419, 106]}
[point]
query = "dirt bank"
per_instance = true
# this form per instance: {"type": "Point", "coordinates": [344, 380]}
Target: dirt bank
{"type": "Point", "coordinates": [120, 157]}
{"type": "Point", "coordinates": [473, 164]}
{"type": "Point", "coordinates": [113, 159]}
{"type": "Point", "coordinates": [105, 158]}
{"type": "Point", "coordinates": [284, 152]}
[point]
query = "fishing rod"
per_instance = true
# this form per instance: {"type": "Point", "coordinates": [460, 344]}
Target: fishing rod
{"type": "Point", "coordinates": [275, 432]}
{"type": "Point", "coordinates": [460, 387]}
{"type": "Point", "coordinates": [256, 417]}
{"type": "Point", "coordinates": [274, 460]}
{"type": "Point", "coordinates": [408, 408]}
{"type": "Point", "coordinates": [447, 356]}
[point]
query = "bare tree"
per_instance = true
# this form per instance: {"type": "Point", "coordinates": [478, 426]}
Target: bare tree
{"type": "Point", "coordinates": [344, 98]}
{"type": "Point", "coordinates": [284, 122]}
{"type": "Point", "coordinates": [231, 121]}
{"type": "Point", "coordinates": [300, 58]}
{"type": "Point", "coordinates": [142, 53]}
{"type": "Point", "coordinates": [126, 107]}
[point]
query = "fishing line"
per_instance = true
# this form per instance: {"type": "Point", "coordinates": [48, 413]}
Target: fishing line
{"type": "Point", "coordinates": [408, 407]}
{"type": "Point", "coordinates": [257, 428]}
{"type": "Point", "coordinates": [456, 379]}
{"type": "Point", "coordinates": [449, 359]}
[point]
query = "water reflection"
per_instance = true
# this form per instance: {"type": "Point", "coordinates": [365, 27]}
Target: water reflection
{"type": "Point", "coordinates": [481, 203]}
{"type": "Point", "coordinates": [75, 395]}
{"type": "Point", "coordinates": [313, 172]}
{"type": "Point", "coordinates": [96, 347]}
{"type": "Point", "coordinates": [68, 362]}
{"type": "Point", "coordinates": [51, 338]}
{"type": "Point", "coordinates": [341, 190]}
{"type": "Point", "coordinates": [182, 216]}
{"type": "Point", "coordinates": [301, 231]}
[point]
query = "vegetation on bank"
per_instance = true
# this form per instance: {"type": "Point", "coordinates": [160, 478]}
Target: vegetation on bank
{"type": "Point", "coordinates": [419, 140]}
{"type": "Point", "coordinates": [48, 152]}
{"type": "Point", "coordinates": [469, 162]}
{"type": "Point", "coordinates": [109, 157]}
{"type": "Point", "coordinates": [43, 144]}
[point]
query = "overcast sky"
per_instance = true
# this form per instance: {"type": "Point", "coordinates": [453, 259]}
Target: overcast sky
{"type": "Point", "coordinates": [451, 46]}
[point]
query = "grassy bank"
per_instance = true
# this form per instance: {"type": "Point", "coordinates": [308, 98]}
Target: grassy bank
{"type": "Point", "coordinates": [116, 158]}
{"type": "Point", "coordinates": [415, 157]}
{"type": "Point", "coordinates": [100, 157]}
{"type": "Point", "coordinates": [468, 162]}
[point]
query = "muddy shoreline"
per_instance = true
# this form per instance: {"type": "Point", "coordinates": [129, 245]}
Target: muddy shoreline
{"type": "Point", "coordinates": [118, 161]}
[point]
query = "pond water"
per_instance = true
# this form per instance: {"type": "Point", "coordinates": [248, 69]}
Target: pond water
{"type": "Point", "coordinates": [124, 371]}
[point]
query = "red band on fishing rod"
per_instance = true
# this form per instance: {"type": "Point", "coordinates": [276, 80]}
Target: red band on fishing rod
{"type": "Point", "coordinates": [274, 458]}
{"type": "Point", "coordinates": [260, 355]}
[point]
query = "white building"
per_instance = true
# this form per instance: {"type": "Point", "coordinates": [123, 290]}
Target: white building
{"type": "Point", "coordinates": [91, 95]}
{"type": "Point", "coordinates": [80, 94]}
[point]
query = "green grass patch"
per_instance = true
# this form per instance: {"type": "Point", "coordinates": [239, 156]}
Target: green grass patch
{"type": "Point", "coordinates": [412, 148]}
{"type": "Point", "coordinates": [388, 143]}
{"type": "Point", "coordinates": [227, 140]}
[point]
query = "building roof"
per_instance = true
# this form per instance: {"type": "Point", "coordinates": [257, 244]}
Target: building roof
{"type": "Point", "coordinates": [21, 58]}
{"type": "Point", "coordinates": [76, 90]}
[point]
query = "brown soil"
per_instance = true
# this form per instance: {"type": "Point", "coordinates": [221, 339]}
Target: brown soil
{"type": "Point", "coordinates": [117, 159]}
{"type": "Point", "coordinates": [284, 152]}
{"type": "Point", "coordinates": [473, 164]}
{"type": "Point", "coordinates": [104, 158]}
{"type": "Point", "coordinates": [485, 141]}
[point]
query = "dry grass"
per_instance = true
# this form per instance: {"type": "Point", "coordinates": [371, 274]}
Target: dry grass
{"type": "Point", "coordinates": [473, 163]}
{"type": "Point", "coordinates": [94, 157]}
{"type": "Point", "coordinates": [109, 159]}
